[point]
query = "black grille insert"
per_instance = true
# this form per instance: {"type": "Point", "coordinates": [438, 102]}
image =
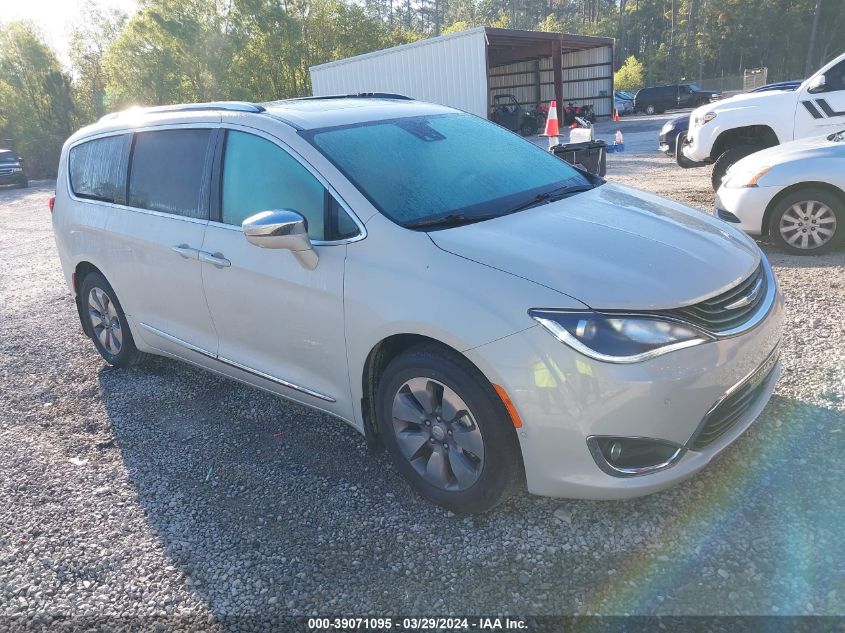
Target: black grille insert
{"type": "Point", "coordinates": [728, 411]}
{"type": "Point", "coordinates": [731, 308]}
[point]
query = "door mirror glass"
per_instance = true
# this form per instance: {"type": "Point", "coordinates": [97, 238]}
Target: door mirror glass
{"type": "Point", "coordinates": [282, 228]}
{"type": "Point", "coordinates": [817, 84]}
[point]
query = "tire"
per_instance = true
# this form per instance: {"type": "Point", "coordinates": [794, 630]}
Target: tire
{"type": "Point", "coordinates": [823, 210]}
{"type": "Point", "coordinates": [469, 475]}
{"type": "Point", "coordinates": [528, 128]}
{"type": "Point", "coordinates": [650, 109]}
{"type": "Point", "coordinates": [100, 304]}
{"type": "Point", "coordinates": [728, 158]}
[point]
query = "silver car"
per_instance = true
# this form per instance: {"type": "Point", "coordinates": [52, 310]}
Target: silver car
{"type": "Point", "coordinates": [489, 314]}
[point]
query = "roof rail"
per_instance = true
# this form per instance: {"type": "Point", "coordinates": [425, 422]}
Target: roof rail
{"type": "Point", "coordinates": [359, 95]}
{"type": "Point", "coordinates": [232, 106]}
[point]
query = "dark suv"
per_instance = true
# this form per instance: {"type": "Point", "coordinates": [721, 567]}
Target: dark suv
{"type": "Point", "coordinates": [672, 96]}
{"type": "Point", "coordinates": [12, 171]}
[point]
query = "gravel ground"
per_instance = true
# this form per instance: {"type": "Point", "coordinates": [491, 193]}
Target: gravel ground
{"type": "Point", "coordinates": [165, 490]}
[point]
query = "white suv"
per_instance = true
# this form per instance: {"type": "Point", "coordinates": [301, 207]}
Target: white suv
{"type": "Point", "coordinates": [486, 311]}
{"type": "Point", "coordinates": [727, 131]}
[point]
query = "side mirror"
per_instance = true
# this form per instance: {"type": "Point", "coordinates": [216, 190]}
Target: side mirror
{"type": "Point", "coordinates": [817, 84]}
{"type": "Point", "coordinates": [281, 228]}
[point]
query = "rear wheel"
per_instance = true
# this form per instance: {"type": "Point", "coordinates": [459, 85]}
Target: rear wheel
{"type": "Point", "coordinates": [728, 158]}
{"type": "Point", "coordinates": [106, 322]}
{"type": "Point", "coordinates": [808, 222]}
{"type": "Point", "coordinates": [447, 431]}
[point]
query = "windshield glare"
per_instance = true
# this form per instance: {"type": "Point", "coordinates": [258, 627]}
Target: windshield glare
{"type": "Point", "coordinates": [419, 168]}
{"type": "Point", "coordinates": [8, 157]}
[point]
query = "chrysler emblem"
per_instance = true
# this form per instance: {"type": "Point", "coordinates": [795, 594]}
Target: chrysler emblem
{"type": "Point", "coordinates": [748, 298]}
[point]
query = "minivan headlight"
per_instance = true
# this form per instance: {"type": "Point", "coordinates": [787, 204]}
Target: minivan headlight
{"type": "Point", "coordinates": [618, 338]}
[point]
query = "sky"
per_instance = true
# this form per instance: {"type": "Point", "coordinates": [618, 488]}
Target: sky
{"type": "Point", "coordinates": [56, 18]}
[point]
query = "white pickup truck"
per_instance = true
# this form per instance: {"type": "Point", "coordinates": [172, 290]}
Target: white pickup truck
{"type": "Point", "coordinates": [723, 132]}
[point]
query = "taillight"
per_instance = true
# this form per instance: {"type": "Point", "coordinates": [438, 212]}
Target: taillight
{"type": "Point", "coordinates": [51, 203]}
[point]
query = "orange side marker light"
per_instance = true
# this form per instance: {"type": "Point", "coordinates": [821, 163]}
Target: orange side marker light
{"type": "Point", "coordinates": [517, 421]}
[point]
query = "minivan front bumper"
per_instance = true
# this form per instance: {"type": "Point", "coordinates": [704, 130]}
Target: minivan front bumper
{"type": "Point", "coordinates": [565, 398]}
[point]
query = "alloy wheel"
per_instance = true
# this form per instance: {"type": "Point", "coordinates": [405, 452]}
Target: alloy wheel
{"type": "Point", "coordinates": [808, 225]}
{"type": "Point", "coordinates": [437, 433]}
{"type": "Point", "coordinates": [105, 322]}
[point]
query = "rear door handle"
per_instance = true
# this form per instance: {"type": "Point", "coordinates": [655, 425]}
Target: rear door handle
{"type": "Point", "coordinates": [186, 251]}
{"type": "Point", "coordinates": [216, 259]}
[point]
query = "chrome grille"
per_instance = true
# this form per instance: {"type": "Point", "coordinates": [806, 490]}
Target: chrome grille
{"type": "Point", "coordinates": [730, 309]}
{"type": "Point", "coordinates": [734, 405]}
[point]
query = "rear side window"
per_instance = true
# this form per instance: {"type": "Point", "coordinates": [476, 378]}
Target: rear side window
{"type": "Point", "coordinates": [98, 168]}
{"type": "Point", "coordinates": [169, 172]}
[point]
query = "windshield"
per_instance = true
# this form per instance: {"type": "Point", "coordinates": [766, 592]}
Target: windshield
{"type": "Point", "coordinates": [695, 88]}
{"type": "Point", "coordinates": [420, 168]}
{"type": "Point", "coordinates": [8, 157]}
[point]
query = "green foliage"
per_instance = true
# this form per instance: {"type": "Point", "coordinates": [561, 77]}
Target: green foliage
{"type": "Point", "coordinates": [36, 106]}
{"type": "Point", "coordinates": [630, 76]}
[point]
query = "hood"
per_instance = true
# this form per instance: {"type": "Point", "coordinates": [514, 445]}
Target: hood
{"type": "Point", "coordinates": [613, 248]}
{"type": "Point", "coordinates": [771, 99]}
{"type": "Point", "coordinates": [802, 149]}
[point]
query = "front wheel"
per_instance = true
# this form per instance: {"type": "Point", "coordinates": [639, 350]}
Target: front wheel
{"type": "Point", "coordinates": [727, 159]}
{"type": "Point", "coordinates": [808, 222]}
{"type": "Point", "coordinates": [651, 109]}
{"type": "Point", "coordinates": [528, 128]}
{"type": "Point", "coordinates": [447, 431]}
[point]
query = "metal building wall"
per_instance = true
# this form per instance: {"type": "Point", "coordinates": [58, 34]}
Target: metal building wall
{"type": "Point", "coordinates": [450, 70]}
{"type": "Point", "coordinates": [588, 76]}
{"type": "Point", "coordinates": [585, 75]}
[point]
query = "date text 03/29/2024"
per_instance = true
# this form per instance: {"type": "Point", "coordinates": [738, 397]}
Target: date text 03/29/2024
{"type": "Point", "coordinates": [417, 624]}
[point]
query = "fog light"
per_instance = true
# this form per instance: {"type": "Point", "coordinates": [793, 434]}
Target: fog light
{"type": "Point", "coordinates": [630, 456]}
{"type": "Point", "coordinates": [615, 451]}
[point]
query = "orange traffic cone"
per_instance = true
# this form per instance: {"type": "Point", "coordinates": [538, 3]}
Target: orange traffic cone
{"type": "Point", "coordinates": [616, 116]}
{"type": "Point", "coordinates": [552, 127]}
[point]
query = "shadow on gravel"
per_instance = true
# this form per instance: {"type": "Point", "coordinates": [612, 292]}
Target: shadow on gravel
{"type": "Point", "coordinates": [274, 510]}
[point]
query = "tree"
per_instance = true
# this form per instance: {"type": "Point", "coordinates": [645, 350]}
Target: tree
{"type": "Point", "coordinates": [38, 113]}
{"type": "Point", "coordinates": [95, 32]}
{"type": "Point", "coordinates": [630, 76]}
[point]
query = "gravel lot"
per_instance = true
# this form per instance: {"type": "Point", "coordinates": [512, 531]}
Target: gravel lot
{"type": "Point", "coordinates": [165, 490]}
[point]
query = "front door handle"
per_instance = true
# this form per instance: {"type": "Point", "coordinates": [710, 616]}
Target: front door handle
{"type": "Point", "coordinates": [186, 251]}
{"type": "Point", "coordinates": [216, 259]}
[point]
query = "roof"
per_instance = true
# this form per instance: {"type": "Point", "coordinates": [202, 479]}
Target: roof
{"type": "Point", "coordinates": [318, 112]}
{"type": "Point", "coordinates": [513, 43]}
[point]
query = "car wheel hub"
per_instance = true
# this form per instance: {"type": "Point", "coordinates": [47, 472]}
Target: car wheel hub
{"type": "Point", "coordinates": [437, 434]}
{"type": "Point", "coordinates": [105, 323]}
{"type": "Point", "coordinates": [808, 225]}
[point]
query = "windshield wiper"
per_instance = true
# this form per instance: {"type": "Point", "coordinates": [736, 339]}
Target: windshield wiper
{"type": "Point", "coordinates": [550, 196]}
{"type": "Point", "coordinates": [452, 219]}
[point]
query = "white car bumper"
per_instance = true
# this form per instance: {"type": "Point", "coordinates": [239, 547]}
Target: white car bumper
{"type": "Point", "coordinates": [746, 204]}
{"type": "Point", "coordinates": [563, 398]}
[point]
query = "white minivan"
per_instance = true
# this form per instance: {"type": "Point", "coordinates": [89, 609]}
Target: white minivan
{"type": "Point", "coordinates": [491, 315]}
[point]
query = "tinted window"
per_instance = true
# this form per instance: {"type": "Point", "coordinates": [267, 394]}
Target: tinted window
{"type": "Point", "coordinates": [8, 157]}
{"type": "Point", "coordinates": [168, 172]}
{"type": "Point", "coordinates": [835, 77]}
{"type": "Point", "coordinates": [98, 168]}
{"type": "Point", "coordinates": [422, 167]}
{"type": "Point", "coordinates": [258, 175]}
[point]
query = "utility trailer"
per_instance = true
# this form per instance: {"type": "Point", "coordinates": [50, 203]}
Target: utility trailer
{"type": "Point", "coordinates": [467, 69]}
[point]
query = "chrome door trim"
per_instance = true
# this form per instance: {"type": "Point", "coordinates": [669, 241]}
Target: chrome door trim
{"type": "Point", "coordinates": [236, 365]}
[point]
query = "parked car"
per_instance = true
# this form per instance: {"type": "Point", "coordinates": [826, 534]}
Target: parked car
{"type": "Point", "coordinates": [671, 132]}
{"type": "Point", "coordinates": [12, 170]}
{"type": "Point", "coordinates": [725, 132]}
{"type": "Point", "coordinates": [508, 113]}
{"type": "Point", "coordinates": [623, 102]}
{"type": "Point", "coordinates": [489, 313]}
{"type": "Point", "coordinates": [781, 85]}
{"type": "Point", "coordinates": [658, 99]}
{"type": "Point", "coordinates": [794, 193]}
